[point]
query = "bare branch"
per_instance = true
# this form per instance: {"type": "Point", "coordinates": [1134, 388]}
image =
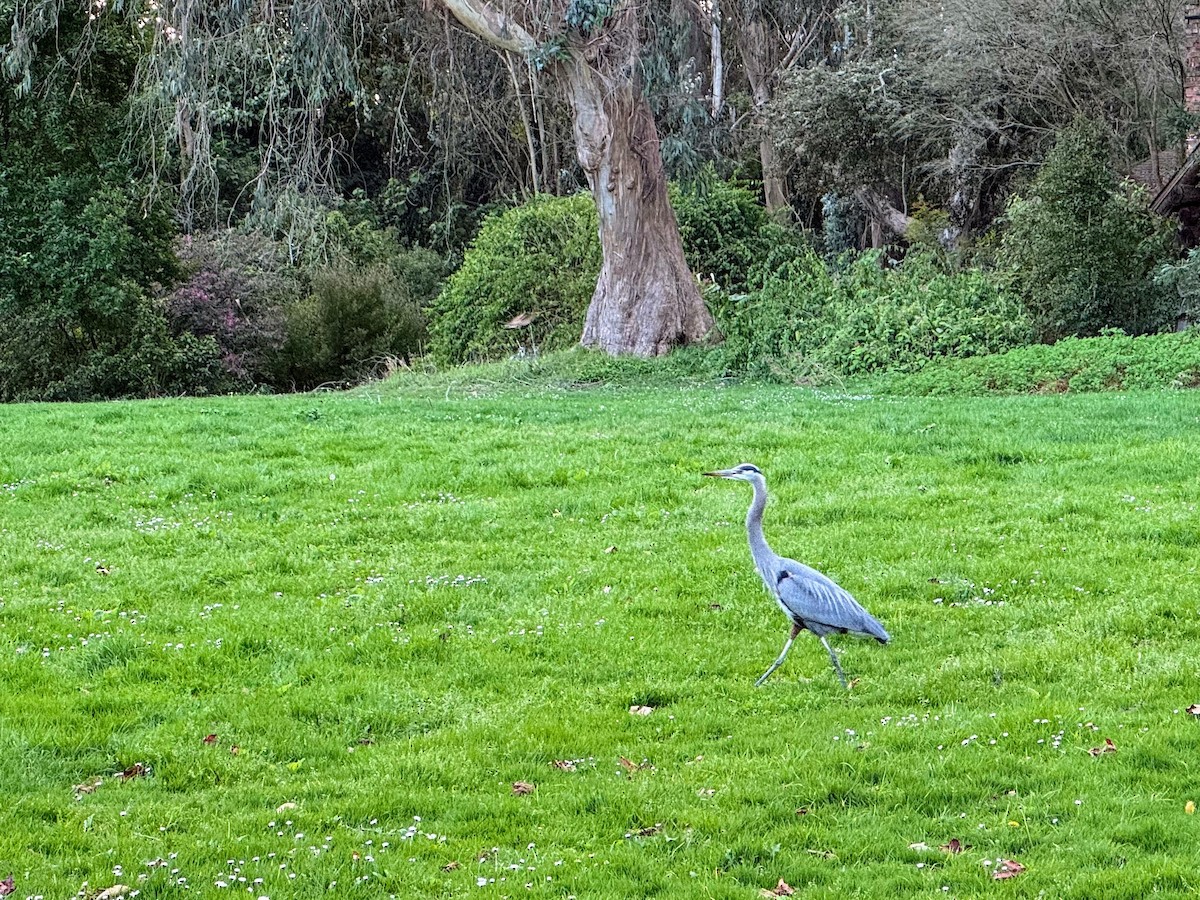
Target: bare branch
{"type": "Point", "coordinates": [492, 24]}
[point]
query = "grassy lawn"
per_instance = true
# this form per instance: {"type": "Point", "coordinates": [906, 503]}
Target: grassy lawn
{"type": "Point", "coordinates": [334, 631]}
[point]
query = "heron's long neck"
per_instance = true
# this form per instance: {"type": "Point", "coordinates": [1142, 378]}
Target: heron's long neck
{"type": "Point", "coordinates": [754, 518]}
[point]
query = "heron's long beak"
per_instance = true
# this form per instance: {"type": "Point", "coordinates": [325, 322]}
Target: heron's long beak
{"type": "Point", "coordinates": [723, 473]}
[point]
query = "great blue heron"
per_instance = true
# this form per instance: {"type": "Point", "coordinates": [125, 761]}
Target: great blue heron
{"type": "Point", "coordinates": [808, 598]}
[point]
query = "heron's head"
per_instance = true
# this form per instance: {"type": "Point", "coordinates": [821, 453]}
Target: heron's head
{"type": "Point", "coordinates": [744, 472]}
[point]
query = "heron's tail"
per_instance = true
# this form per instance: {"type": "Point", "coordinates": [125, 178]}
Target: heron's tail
{"type": "Point", "coordinates": [872, 627]}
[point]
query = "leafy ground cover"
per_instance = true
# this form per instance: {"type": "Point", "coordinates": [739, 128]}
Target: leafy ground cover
{"type": "Point", "coordinates": [388, 643]}
{"type": "Point", "coordinates": [1109, 362]}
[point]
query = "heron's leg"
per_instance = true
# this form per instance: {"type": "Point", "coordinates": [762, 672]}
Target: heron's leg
{"type": "Point", "coordinates": [837, 666]}
{"type": "Point", "coordinates": [782, 656]}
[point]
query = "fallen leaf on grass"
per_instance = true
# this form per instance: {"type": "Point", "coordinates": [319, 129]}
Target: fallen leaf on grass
{"type": "Point", "coordinates": [355, 856]}
{"type": "Point", "coordinates": [117, 890]}
{"type": "Point", "coordinates": [954, 845]}
{"type": "Point", "coordinates": [650, 830]}
{"type": "Point", "coordinates": [1194, 709]}
{"type": "Point", "coordinates": [783, 889]}
{"type": "Point", "coordinates": [235, 749]}
{"type": "Point", "coordinates": [210, 739]}
{"type": "Point", "coordinates": [7, 886]}
{"type": "Point", "coordinates": [284, 807]}
{"type": "Point", "coordinates": [137, 770]}
{"type": "Point", "coordinates": [1008, 868]}
{"type": "Point", "coordinates": [715, 607]}
{"type": "Point", "coordinates": [520, 788]}
{"type": "Point", "coordinates": [802, 811]}
{"type": "Point", "coordinates": [636, 710]}
{"type": "Point", "coordinates": [88, 787]}
{"type": "Point", "coordinates": [1190, 807]}
{"type": "Point", "coordinates": [565, 764]}
{"type": "Point", "coordinates": [612, 549]}
{"type": "Point", "coordinates": [919, 846]}
{"type": "Point", "coordinates": [631, 767]}
{"type": "Point", "coordinates": [450, 866]}
{"type": "Point", "coordinates": [102, 569]}
{"type": "Point", "coordinates": [1109, 747]}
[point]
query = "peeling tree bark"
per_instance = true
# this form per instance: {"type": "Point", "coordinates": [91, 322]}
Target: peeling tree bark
{"type": "Point", "coordinates": [646, 301]}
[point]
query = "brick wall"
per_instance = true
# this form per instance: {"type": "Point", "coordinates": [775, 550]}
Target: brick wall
{"type": "Point", "coordinates": [1191, 66]}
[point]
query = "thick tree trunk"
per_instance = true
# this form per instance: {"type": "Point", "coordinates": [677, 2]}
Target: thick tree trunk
{"type": "Point", "coordinates": [646, 300]}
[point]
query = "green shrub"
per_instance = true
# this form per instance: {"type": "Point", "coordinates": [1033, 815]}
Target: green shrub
{"type": "Point", "coordinates": [1112, 361]}
{"type": "Point", "coordinates": [807, 320]}
{"type": "Point", "coordinates": [540, 259]}
{"type": "Point", "coordinates": [727, 236]}
{"type": "Point", "coordinates": [1080, 248]}
{"type": "Point", "coordinates": [237, 288]}
{"type": "Point", "coordinates": [899, 319]}
{"type": "Point", "coordinates": [352, 325]}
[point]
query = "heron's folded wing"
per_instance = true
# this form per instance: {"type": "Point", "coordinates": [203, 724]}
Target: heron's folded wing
{"type": "Point", "coordinates": [813, 598]}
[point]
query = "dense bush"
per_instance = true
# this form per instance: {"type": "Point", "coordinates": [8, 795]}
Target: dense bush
{"type": "Point", "coordinates": [81, 250]}
{"type": "Point", "coordinates": [1080, 248]}
{"type": "Point", "coordinates": [727, 236]}
{"type": "Point", "coordinates": [807, 319]}
{"type": "Point", "coordinates": [352, 325]}
{"type": "Point", "coordinates": [284, 327]}
{"type": "Point", "coordinates": [1111, 361]}
{"type": "Point", "coordinates": [236, 293]}
{"type": "Point", "coordinates": [540, 259]}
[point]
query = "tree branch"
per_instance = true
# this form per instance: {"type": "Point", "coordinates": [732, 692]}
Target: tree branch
{"type": "Point", "coordinates": [483, 18]}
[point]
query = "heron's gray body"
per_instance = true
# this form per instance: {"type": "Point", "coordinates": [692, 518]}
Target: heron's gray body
{"type": "Point", "coordinates": [811, 600]}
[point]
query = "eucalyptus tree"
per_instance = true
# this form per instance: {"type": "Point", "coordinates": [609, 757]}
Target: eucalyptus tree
{"type": "Point", "coordinates": [646, 300]}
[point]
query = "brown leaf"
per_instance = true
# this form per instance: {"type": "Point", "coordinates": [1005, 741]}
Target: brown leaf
{"type": "Point", "coordinates": [649, 830]}
{"type": "Point", "coordinates": [117, 890]}
{"type": "Point", "coordinates": [802, 811]}
{"type": "Point", "coordinates": [954, 845]}
{"type": "Point", "coordinates": [783, 889]}
{"type": "Point", "coordinates": [636, 710]}
{"type": "Point", "coordinates": [235, 749]}
{"type": "Point", "coordinates": [355, 856]}
{"type": "Point", "coordinates": [631, 767]}
{"type": "Point", "coordinates": [450, 866]}
{"type": "Point", "coordinates": [1008, 868]}
{"type": "Point", "coordinates": [210, 739]}
{"type": "Point", "coordinates": [7, 886]}
{"type": "Point", "coordinates": [1109, 747]}
{"type": "Point", "coordinates": [565, 764]}
{"type": "Point", "coordinates": [1194, 709]}
{"type": "Point", "coordinates": [137, 770]}
{"type": "Point", "coordinates": [87, 787]}
{"type": "Point", "coordinates": [521, 788]}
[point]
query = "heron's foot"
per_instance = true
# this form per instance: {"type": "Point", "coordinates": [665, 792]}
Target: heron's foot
{"type": "Point", "coordinates": [767, 674]}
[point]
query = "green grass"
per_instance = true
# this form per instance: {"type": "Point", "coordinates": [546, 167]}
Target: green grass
{"type": "Point", "coordinates": [399, 602]}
